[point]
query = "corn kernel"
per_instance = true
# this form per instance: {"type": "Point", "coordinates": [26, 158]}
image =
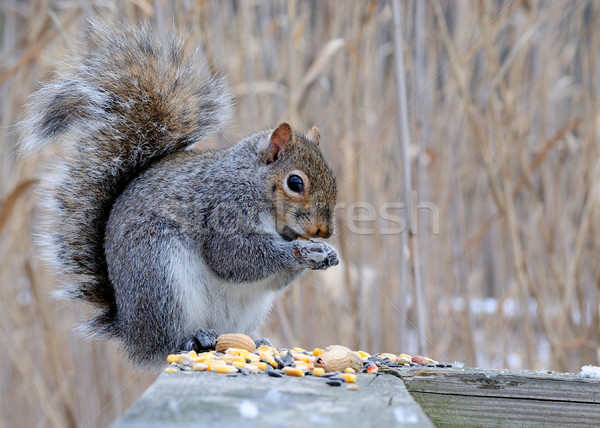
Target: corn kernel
{"type": "Point", "coordinates": [214, 363]}
{"type": "Point", "coordinates": [172, 358]}
{"type": "Point", "coordinates": [192, 354]}
{"type": "Point", "coordinates": [239, 364]}
{"type": "Point", "coordinates": [372, 369]}
{"type": "Point", "coordinates": [263, 348]}
{"type": "Point", "coordinates": [269, 358]}
{"type": "Point", "coordinates": [404, 359]}
{"type": "Point", "coordinates": [293, 371]}
{"type": "Point", "coordinates": [185, 359]}
{"type": "Point", "coordinates": [303, 366]}
{"type": "Point", "coordinates": [318, 371]}
{"type": "Point", "coordinates": [253, 358]}
{"type": "Point", "coordinates": [227, 358]}
{"type": "Point", "coordinates": [252, 368]}
{"type": "Point", "coordinates": [349, 370]}
{"type": "Point", "coordinates": [301, 357]}
{"type": "Point", "coordinates": [202, 358]}
{"type": "Point", "coordinates": [199, 367]}
{"type": "Point", "coordinates": [296, 349]}
{"type": "Point", "coordinates": [348, 377]}
{"type": "Point", "coordinates": [364, 354]}
{"type": "Point", "coordinates": [392, 357]}
{"type": "Point", "coordinates": [318, 351]}
{"type": "Point", "coordinates": [261, 366]}
{"type": "Point", "coordinates": [171, 370]}
{"type": "Point", "coordinates": [224, 369]}
{"type": "Point", "coordinates": [236, 351]}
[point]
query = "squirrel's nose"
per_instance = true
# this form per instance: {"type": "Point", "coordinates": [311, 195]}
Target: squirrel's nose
{"type": "Point", "coordinates": [324, 231]}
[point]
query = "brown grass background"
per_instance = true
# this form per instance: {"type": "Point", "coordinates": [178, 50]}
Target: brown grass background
{"type": "Point", "coordinates": [502, 113]}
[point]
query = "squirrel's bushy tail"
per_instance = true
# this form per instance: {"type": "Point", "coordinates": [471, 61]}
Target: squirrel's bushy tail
{"type": "Point", "coordinates": [120, 108]}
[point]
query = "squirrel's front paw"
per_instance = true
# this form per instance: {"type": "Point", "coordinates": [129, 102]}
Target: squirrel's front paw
{"type": "Point", "coordinates": [315, 255]}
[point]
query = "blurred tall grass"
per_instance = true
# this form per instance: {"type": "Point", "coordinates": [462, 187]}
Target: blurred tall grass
{"type": "Point", "coordinates": [502, 110]}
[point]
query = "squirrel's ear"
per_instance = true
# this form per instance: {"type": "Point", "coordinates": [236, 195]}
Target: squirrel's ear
{"type": "Point", "coordinates": [279, 139]}
{"type": "Point", "coordinates": [314, 135]}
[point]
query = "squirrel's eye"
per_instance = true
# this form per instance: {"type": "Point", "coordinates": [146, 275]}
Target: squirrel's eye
{"type": "Point", "coordinates": [295, 183]}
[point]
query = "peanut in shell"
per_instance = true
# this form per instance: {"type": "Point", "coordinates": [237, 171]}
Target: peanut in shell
{"type": "Point", "coordinates": [338, 358]}
{"type": "Point", "coordinates": [235, 340]}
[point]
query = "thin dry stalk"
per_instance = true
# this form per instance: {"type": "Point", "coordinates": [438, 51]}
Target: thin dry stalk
{"type": "Point", "coordinates": [409, 239]}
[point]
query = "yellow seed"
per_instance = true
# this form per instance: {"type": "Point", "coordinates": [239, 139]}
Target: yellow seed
{"type": "Point", "coordinates": [202, 358]}
{"type": "Point", "coordinates": [171, 370]}
{"type": "Point", "coordinates": [303, 366]}
{"type": "Point", "coordinates": [293, 371]}
{"type": "Point", "coordinates": [264, 348]}
{"type": "Point", "coordinates": [253, 358]}
{"type": "Point", "coordinates": [227, 358]}
{"type": "Point", "coordinates": [172, 358]}
{"type": "Point", "coordinates": [364, 354]}
{"type": "Point", "coordinates": [392, 357]}
{"type": "Point", "coordinates": [318, 371]}
{"type": "Point", "coordinates": [349, 370]}
{"type": "Point", "coordinates": [404, 359]}
{"type": "Point", "coordinates": [252, 368]}
{"type": "Point", "coordinates": [199, 367]}
{"type": "Point", "coordinates": [269, 358]}
{"type": "Point", "coordinates": [239, 364]}
{"type": "Point", "coordinates": [348, 377]}
{"type": "Point", "coordinates": [214, 363]}
{"type": "Point", "coordinates": [302, 357]}
{"type": "Point", "coordinates": [192, 354]}
{"type": "Point", "coordinates": [185, 359]}
{"type": "Point", "coordinates": [237, 351]}
{"type": "Point", "coordinates": [225, 369]}
{"type": "Point", "coordinates": [318, 351]}
{"type": "Point", "coordinates": [296, 349]}
{"type": "Point", "coordinates": [262, 366]}
{"type": "Point", "coordinates": [352, 387]}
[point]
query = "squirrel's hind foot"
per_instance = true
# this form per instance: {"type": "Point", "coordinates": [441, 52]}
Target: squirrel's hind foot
{"type": "Point", "coordinates": [202, 340]}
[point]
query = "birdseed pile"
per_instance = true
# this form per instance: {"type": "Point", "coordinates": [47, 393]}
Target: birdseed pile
{"type": "Point", "coordinates": [236, 354]}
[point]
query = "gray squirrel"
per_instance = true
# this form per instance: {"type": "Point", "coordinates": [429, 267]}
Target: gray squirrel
{"type": "Point", "coordinates": [172, 245]}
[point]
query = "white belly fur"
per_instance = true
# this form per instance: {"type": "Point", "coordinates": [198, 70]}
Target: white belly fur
{"type": "Point", "coordinates": [210, 302]}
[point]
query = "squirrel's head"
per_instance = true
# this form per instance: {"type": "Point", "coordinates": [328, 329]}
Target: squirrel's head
{"type": "Point", "coordinates": [300, 184]}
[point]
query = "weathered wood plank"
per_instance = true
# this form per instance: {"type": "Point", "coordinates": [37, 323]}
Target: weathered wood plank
{"type": "Point", "coordinates": [190, 399]}
{"type": "Point", "coordinates": [475, 397]}
{"type": "Point", "coordinates": [503, 383]}
{"type": "Point", "coordinates": [474, 411]}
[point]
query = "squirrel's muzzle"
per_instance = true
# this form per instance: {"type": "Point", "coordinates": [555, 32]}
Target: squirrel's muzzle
{"type": "Point", "coordinates": [320, 231]}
